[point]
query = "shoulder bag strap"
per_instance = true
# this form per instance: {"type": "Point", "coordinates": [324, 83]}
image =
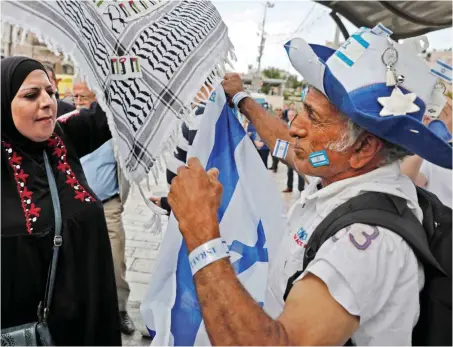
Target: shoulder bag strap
{"type": "Point", "coordinates": [57, 242]}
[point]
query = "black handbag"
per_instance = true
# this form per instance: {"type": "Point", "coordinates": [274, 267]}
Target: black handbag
{"type": "Point", "coordinates": [37, 333]}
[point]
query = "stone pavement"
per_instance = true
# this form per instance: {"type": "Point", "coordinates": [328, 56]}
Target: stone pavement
{"type": "Point", "coordinates": [142, 245]}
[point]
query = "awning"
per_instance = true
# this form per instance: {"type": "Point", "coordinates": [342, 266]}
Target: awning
{"type": "Point", "coordinates": [404, 18]}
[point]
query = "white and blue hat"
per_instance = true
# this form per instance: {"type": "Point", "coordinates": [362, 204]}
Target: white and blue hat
{"type": "Point", "coordinates": [383, 86]}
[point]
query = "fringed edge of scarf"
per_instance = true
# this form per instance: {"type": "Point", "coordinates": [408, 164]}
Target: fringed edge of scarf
{"type": "Point", "coordinates": [211, 79]}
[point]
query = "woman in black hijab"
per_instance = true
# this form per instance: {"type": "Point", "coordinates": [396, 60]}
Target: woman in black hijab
{"type": "Point", "coordinates": [84, 308]}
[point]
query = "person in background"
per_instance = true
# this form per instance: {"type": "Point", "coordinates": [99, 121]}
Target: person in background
{"type": "Point", "coordinates": [263, 150]}
{"type": "Point", "coordinates": [279, 115]}
{"type": "Point", "coordinates": [285, 113]}
{"type": "Point", "coordinates": [290, 175]}
{"type": "Point", "coordinates": [83, 97]}
{"type": "Point", "coordinates": [291, 107]}
{"type": "Point", "coordinates": [84, 306]}
{"type": "Point", "coordinates": [62, 106]}
{"type": "Point", "coordinates": [103, 176]}
{"type": "Point", "coordinates": [427, 175]}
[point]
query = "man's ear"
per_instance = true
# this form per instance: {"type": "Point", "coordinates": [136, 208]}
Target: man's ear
{"type": "Point", "coordinates": [366, 150]}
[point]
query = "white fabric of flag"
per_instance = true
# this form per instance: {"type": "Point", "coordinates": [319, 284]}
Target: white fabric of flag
{"type": "Point", "coordinates": [252, 223]}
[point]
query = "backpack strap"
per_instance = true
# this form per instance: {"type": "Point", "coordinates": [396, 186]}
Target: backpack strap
{"type": "Point", "coordinates": [378, 209]}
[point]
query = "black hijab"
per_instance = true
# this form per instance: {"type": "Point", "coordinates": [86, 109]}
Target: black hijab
{"type": "Point", "coordinates": [14, 71]}
{"type": "Point", "coordinates": [84, 309]}
{"type": "Point", "coordinates": [22, 160]}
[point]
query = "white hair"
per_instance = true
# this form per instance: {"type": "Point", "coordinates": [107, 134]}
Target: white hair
{"type": "Point", "coordinates": [389, 152]}
{"type": "Point", "coordinates": [348, 137]}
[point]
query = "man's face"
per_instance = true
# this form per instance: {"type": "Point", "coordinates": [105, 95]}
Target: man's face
{"type": "Point", "coordinates": [278, 112]}
{"type": "Point", "coordinates": [313, 128]}
{"type": "Point", "coordinates": [83, 97]}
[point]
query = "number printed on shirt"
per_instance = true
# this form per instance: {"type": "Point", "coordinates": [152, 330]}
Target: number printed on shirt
{"type": "Point", "coordinates": [363, 239]}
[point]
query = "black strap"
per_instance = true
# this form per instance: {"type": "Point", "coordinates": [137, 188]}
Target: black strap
{"type": "Point", "coordinates": [57, 242]}
{"type": "Point", "coordinates": [379, 209]}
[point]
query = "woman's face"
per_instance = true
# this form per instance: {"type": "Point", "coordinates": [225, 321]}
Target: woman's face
{"type": "Point", "coordinates": [34, 108]}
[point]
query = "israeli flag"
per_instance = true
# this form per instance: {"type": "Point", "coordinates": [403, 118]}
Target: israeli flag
{"type": "Point", "coordinates": [251, 220]}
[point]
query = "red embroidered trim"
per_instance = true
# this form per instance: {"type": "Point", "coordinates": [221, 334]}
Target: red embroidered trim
{"type": "Point", "coordinates": [60, 152]}
{"type": "Point", "coordinates": [31, 211]}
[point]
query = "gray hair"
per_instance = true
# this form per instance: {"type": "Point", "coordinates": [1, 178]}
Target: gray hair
{"type": "Point", "coordinates": [76, 78]}
{"type": "Point", "coordinates": [389, 152]}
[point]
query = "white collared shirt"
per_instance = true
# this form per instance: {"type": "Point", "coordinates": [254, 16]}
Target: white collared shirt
{"type": "Point", "coordinates": [370, 271]}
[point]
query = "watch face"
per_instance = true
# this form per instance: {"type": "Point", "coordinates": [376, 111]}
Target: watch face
{"type": "Point", "coordinates": [390, 56]}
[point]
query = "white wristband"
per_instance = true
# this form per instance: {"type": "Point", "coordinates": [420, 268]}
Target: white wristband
{"type": "Point", "coordinates": [207, 253]}
{"type": "Point", "coordinates": [238, 97]}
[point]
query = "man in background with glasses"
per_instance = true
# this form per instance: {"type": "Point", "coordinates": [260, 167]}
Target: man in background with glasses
{"type": "Point", "coordinates": [82, 96]}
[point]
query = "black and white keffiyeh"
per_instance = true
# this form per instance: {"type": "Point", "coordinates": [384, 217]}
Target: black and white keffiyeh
{"type": "Point", "coordinates": [180, 45]}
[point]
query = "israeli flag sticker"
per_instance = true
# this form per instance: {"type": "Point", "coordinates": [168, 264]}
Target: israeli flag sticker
{"type": "Point", "coordinates": [443, 71]}
{"type": "Point", "coordinates": [280, 149]}
{"type": "Point", "coordinates": [318, 158]}
{"type": "Point", "coordinates": [381, 30]}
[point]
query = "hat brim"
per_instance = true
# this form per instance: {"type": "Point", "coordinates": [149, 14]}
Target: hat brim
{"type": "Point", "coordinates": [406, 131]}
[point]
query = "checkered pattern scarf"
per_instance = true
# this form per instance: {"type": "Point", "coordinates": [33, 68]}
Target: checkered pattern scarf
{"type": "Point", "coordinates": [181, 45]}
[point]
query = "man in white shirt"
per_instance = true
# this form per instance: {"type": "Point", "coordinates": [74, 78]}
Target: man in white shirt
{"type": "Point", "coordinates": [427, 175]}
{"type": "Point", "coordinates": [364, 282]}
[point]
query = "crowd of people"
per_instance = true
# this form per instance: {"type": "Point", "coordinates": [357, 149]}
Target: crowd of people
{"type": "Point", "coordinates": [360, 284]}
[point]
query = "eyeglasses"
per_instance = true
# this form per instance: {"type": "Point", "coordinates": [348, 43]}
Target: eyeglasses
{"type": "Point", "coordinates": [82, 97]}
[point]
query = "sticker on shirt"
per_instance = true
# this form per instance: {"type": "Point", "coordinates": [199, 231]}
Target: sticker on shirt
{"type": "Point", "coordinates": [301, 238]}
{"type": "Point", "coordinates": [362, 239]}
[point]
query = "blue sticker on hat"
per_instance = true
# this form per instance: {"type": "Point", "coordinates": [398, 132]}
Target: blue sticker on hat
{"type": "Point", "coordinates": [303, 95]}
{"type": "Point", "coordinates": [381, 30]}
{"type": "Point", "coordinates": [318, 158]}
{"type": "Point", "coordinates": [350, 51]}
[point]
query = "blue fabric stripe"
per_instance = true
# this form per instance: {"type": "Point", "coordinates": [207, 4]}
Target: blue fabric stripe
{"type": "Point", "coordinates": [441, 75]}
{"type": "Point", "coordinates": [360, 40]}
{"type": "Point", "coordinates": [323, 52]}
{"type": "Point", "coordinates": [444, 65]}
{"type": "Point", "coordinates": [250, 254]}
{"type": "Point", "coordinates": [348, 61]}
{"type": "Point", "coordinates": [186, 315]}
